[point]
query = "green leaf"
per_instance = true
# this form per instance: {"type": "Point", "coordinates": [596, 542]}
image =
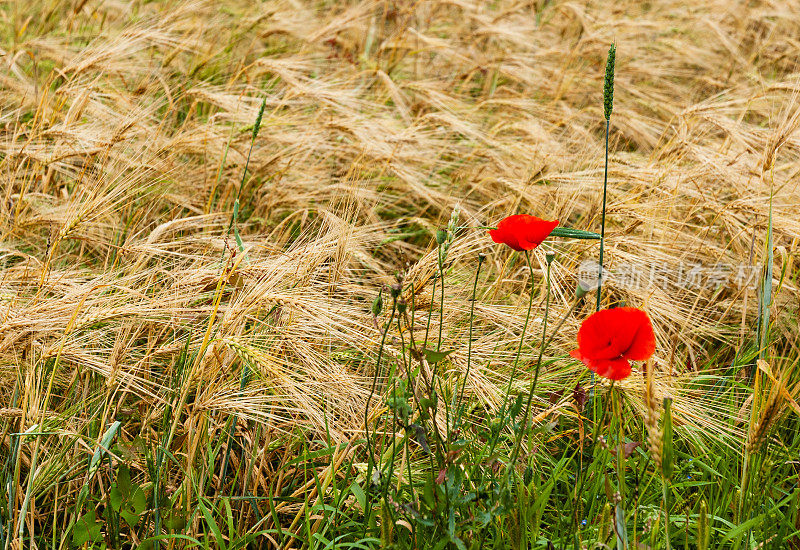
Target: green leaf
{"type": "Point", "coordinates": [175, 521]}
{"type": "Point", "coordinates": [116, 498]}
{"type": "Point", "coordinates": [434, 357]}
{"type": "Point", "coordinates": [130, 518]}
{"type": "Point", "coordinates": [86, 529]}
{"type": "Point", "coordinates": [105, 443]}
{"type": "Point", "coordinates": [570, 233]}
{"type": "Point", "coordinates": [619, 526]}
{"type": "Point", "coordinates": [138, 501]}
{"type": "Point", "coordinates": [667, 452]}
{"type": "Point", "coordinates": [211, 524]}
{"type": "Point", "coordinates": [427, 494]}
{"type": "Point", "coordinates": [236, 235]}
{"type": "Point", "coordinates": [361, 497]}
{"type": "Point", "coordinates": [124, 481]}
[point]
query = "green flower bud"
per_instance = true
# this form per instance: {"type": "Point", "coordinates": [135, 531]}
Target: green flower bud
{"type": "Point", "coordinates": [441, 236]}
{"type": "Point", "coordinates": [377, 304]}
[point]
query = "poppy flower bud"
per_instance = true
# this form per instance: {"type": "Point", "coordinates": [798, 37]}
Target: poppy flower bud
{"type": "Point", "coordinates": [441, 236]}
{"type": "Point", "coordinates": [401, 305]}
{"type": "Point", "coordinates": [395, 289]}
{"type": "Point", "coordinates": [549, 257]}
{"type": "Point", "coordinates": [377, 304]}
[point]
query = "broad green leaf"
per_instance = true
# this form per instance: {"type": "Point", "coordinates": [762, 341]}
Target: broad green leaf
{"type": "Point", "coordinates": [130, 518]}
{"type": "Point", "coordinates": [86, 529]}
{"type": "Point", "coordinates": [105, 443]}
{"type": "Point", "coordinates": [124, 480]}
{"type": "Point", "coordinates": [116, 498]}
{"type": "Point", "coordinates": [138, 501]}
{"type": "Point", "coordinates": [434, 357]}
{"type": "Point", "coordinates": [570, 233]}
{"type": "Point", "coordinates": [361, 497]}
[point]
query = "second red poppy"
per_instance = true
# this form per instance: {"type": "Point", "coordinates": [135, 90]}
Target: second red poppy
{"type": "Point", "coordinates": [610, 338]}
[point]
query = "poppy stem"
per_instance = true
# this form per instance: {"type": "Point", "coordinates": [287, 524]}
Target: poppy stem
{"type": "Point", "coordinates": [441, 304]}
{"type": "Point", "coordinates": [368, 480]}
{"type": "Point", "coordinates": [617, 404]}
{"type": "Point", "coordinates": [503, 409]}
{"type": "Point", "coordinates": [481, 258]}
{"type": "Point", "coordinates": [532, 389]}
{"type": "Point", "coordinates": [620, 459]}
{"type": "Point", "coordinates": [521, 342]}
{"type": "Point", "coordinates": [583, 473]}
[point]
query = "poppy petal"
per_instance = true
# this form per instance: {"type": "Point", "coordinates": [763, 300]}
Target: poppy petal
{"type": "Point", "coordinates": [610, 338]}
{"type": "Point", "coordinates": [644, 342]}
{"type": "Point", "coordinates": [619, 332]}
{"type": "Point", "coordinates": [522, 232]}
{"type": "Point", "coordinates": [614, 369]}
{"type": "Point", "coordinates": [599, 336]}
{"type": "Point", "coordinates": [501, 235]}
{"type": "Point", "coordinates": [535, 231]}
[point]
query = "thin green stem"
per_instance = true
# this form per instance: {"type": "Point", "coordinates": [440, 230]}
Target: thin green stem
{"type": "Point", "coordinates": [441, 304]}
{"type": "Point", "coordinates": [620, 449]}
{"type": "Point", "coordinates": [366, 413]}
{"type": "Point", "coordinates": [603, 222]}
{"type": "Point", "coordinates": [532, 389]}
{"type": "Point", "coordinates": [469, 343]}
{"type": "Point", "coordinates": [430, 313]}
{"type": "Point", "coordinates": [561, 322]}
{"type": "Point", "coordinates": [582, 474]}
{"type": "Point", "coordinates": [507, 394]}
{"type": "Point", "coordinates": [521, 338]}
{"type": "Point", "coordinates": [664, 501]}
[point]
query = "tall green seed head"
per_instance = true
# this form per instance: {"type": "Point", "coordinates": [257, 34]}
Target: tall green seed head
{"type": "Point", "coordinates": [605, 523]}
{"type": "Point", "coordinates": [257, 125]}
{"type": "Point", "coordinates": [703, 531]}
{"type": "Point", "coordinates": [608, 86]}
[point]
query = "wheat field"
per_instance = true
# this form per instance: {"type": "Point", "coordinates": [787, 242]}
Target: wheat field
{"type": "Point", "coordinates": [191, 301]}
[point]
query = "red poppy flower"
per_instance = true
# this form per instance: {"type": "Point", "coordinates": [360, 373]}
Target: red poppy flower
{"type": "Point", "coordinates": [522, 232]}
{"type": "Point", "coordinates": [610, 338]}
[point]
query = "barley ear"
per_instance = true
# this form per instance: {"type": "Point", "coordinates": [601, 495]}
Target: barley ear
{"type": "Point", "coordinates": [654, 435]}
